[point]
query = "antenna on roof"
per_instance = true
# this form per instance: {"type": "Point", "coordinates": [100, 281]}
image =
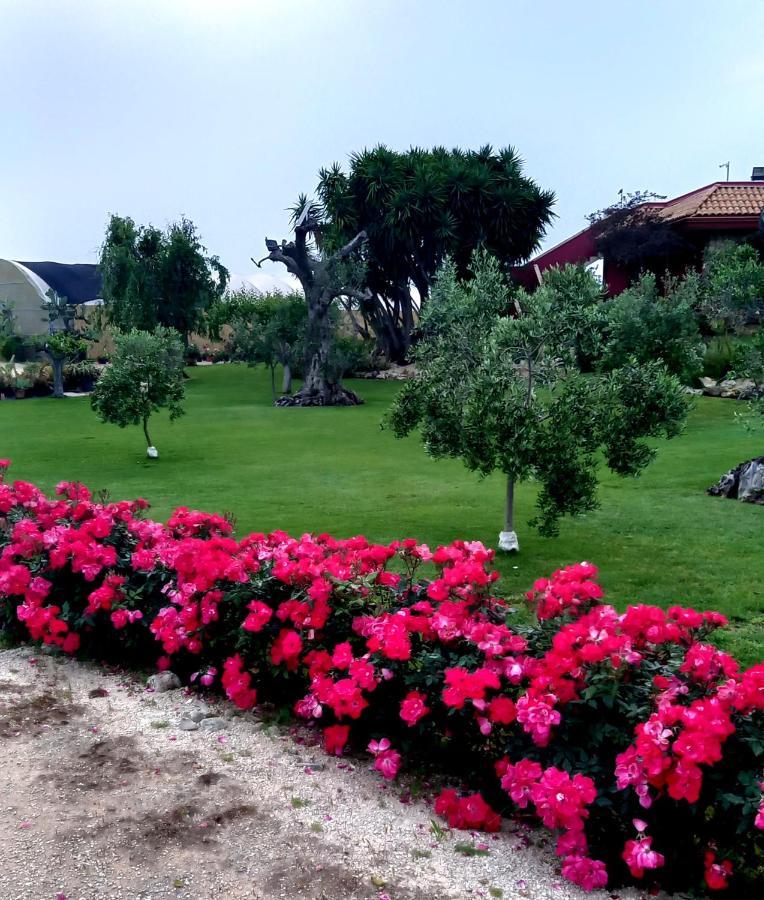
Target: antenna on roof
{"type": "Point", "coordinates": [727, 167]}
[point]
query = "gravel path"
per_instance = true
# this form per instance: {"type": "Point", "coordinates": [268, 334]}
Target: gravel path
{"type": "Point", "coordinates": [102, 796]}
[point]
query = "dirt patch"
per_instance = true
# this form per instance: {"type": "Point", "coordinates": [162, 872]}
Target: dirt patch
{"type": "Point", "coordinates": [33, 715]}
{"type": "Point", "coordinates": [207, 779]}
{"type": "Point", "coordinates": [99, 803]}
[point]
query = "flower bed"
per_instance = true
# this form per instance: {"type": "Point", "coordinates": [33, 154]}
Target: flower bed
{"type": "Point", "coordinates": [633, 739]}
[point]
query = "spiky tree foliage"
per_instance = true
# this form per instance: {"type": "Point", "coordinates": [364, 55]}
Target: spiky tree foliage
{"type": "Point", "coordinates": [153, 277]}
{"type": "Point", "coordinates": [419, 206]}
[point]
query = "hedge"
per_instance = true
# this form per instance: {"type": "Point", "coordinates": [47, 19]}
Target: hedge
{"type": "Point", "coordinates": [629, 735]}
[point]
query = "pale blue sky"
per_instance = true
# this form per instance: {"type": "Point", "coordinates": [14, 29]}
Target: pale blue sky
{"type": "Point", "coordinates": [224, 110]}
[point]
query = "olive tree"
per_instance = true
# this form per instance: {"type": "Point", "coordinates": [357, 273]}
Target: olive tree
{"type": "Point", "coordinates": [145, 375]}
{"type": "Point", "coordinates": [326, 276]}
{"type": "Point", "coordinates": [63, 344]}
{"type": "Point", "coordinates": [267, 328]}
{"type": "Point", "coordinates": [500, 385]}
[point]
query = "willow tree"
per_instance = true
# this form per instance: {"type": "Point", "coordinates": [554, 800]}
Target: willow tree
{"type": "Point", "coordinates": [419, 206]}
{"type": "Point", "coordinates": [153, 277]}
{"type": "Point", "coordinates": [500, 385]}
{"type": "Point", "coordinates": [325, 276]}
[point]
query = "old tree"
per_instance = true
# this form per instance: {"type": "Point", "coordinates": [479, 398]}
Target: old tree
{"type": "Point", "coordinates": [325, 276]}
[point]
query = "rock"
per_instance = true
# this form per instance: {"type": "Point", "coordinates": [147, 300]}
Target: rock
{"type": "Point", "coordinates": [198, 712]}
{"type": "Point", "coordinates": [213, 723]}
{"type": "Point", "coordinates": [695, 392]}
{"type": "Point", "coordinates": [313, 765]}
{"type": "Point", "coordinates": [731, 388]}
{"type": "Point", "coordinates": [751, 482]}
{"type": "Point", "coordinates": [164, 681]}
{"type": "Point", "coordinates": [393, 373]}
{"type": "Point", "coordinates": [188, 725]}
{"type": "Point", "coordinates": [745, 482]}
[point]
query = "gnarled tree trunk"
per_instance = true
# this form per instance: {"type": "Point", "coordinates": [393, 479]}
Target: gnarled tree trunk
{"type": "Point", "coordinates": [57, 364]}
{"type": "Point", "coordinates": [319, 387]}
{"type": "Point", "coordinates": [321, 285]}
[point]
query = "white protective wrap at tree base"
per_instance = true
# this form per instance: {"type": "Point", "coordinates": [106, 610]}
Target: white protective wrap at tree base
{"type": "Point", "coordinates": [508, 541]}
{"type": "Point", "coordinates": [152, 453]}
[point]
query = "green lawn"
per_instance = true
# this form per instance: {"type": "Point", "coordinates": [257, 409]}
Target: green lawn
{"type": "Point", "coordinates": [658, 538]}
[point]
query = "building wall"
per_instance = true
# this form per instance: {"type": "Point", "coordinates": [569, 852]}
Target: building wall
{"type": "Point", "coordinates": [26, 299]}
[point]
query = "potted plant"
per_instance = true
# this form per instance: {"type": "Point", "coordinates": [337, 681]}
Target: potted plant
{"type": "Point", "coordinates": [21, 386]}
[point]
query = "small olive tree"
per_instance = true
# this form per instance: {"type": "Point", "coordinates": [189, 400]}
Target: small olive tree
{"type": "Point", "coordinates": [500, 385]}
{"type": "Point", "coordinates": [63, 344]}
{"type": "Point", "coordinates": [145, 375]}
{"type": "Point", "coordinates": [267, 328]}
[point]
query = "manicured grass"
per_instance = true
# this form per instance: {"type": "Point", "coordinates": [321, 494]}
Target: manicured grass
{"type": "Point", "coordinates": [657, 538]}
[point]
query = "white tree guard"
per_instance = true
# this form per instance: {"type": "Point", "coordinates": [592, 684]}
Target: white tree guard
{"type": "Point", "coordinates": [508, 541]}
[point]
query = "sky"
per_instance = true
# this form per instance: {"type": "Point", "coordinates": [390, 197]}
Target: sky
{"type": "Point", "coordinates": [224, 110]}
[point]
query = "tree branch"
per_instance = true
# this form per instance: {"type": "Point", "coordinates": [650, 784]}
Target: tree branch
{"type": "Point", "coordinates": [345, 251]}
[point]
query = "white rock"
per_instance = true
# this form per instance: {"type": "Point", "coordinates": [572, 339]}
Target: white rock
{"type": "Point", "coordinates": [152, 453]}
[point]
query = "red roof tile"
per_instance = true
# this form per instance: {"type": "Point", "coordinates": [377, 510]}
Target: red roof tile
{"type": "Point", "coordinates": [720, 199]}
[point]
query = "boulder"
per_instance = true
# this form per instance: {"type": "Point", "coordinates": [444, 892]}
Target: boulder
{"type": "Point", "coordinates": [745, 482]}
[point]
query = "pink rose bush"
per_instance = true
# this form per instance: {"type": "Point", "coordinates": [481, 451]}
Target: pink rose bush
{"type": "Point", "coordinates": [629, 735]}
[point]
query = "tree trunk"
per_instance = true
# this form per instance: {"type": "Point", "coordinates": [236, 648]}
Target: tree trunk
{"type": "Point", "coordinates": [146, 431]}
{"type": "Point", "coordinates": [286, 384]}
{"type": "Point", "coordinates": [508, 539]}
{"type": "Point", "coordinates": [509, 507]}
{"type": "Point", "coordinates": [318, 387]}
{"type": "Point", "coordinates": [57, 363]}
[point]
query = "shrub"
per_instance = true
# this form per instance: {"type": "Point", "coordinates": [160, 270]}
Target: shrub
{"type": "Point", "coordinates": [15, 346]}
{"type": "Point", "coordinates": [629, 735]}
{"type": "Point", "coordinates": [718, 359]}
{"type": "Point", "coordinates": [648, 325]}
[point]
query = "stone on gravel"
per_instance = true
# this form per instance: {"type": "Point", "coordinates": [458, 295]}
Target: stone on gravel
{"type": "Point", "coordinates": [188, 725]}
{"type": "Point", "coordinates": [213, 723]}
{"type": "Point", "coordinates": [198, 712]}
{"type": "Point", "coordinates": [164, 681]}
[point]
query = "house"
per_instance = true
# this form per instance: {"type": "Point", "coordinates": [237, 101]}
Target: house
{"type": "Point", "coordinates": [26, 284]}
{"type": "Point", "coordinates": [723, 209]}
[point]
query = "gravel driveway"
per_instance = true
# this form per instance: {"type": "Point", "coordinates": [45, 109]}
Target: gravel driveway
{"type": "Point", "coordinates": [103, 796]}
